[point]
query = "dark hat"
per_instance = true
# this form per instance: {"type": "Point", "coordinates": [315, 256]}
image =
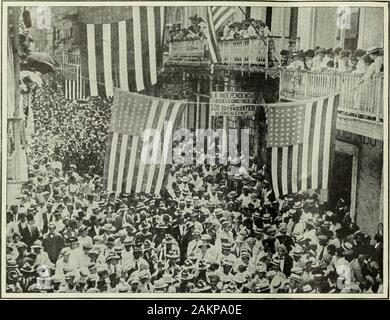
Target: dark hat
{"type": "Point", "coordinates": [173, 254]}
{"type": "Point", "coordinates": [110, 240]}
{"type": "Point", "coordinates": [160, 265]}
{"type": "Point", "coordinates": [26, 268]}
{"type": "Point", "coordinates": [203, 265]}
{"type": "Point", "coordinates": [112, 256]}
{"type": "Point", "coordinates": [359, 53]}
{"type": "Point", "coordinates": [201, 286]}
{"type": "Point", "coordinates": [73, 240]}
{"type": "Point", "coordinates": [373, 50]}
{"type": "Point", "coordinates": [185, 275]}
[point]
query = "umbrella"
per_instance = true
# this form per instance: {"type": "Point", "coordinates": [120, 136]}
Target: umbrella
{"type": "Point", "coordinates": [33, 77]}
{"type": "Point", "coordinates": [40, 61]}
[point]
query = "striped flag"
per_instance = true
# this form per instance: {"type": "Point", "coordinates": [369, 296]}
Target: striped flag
{"type": "Point", "coordinates": [121, 47]}
{"type": "Point", "coordinates": [124, 169]}
{"type": "Point", "coordinates": [301, 141]}
{"type": "Point", "coordinates": [216, 17]}
{"type": "Point", "coordinates": [73, 82]}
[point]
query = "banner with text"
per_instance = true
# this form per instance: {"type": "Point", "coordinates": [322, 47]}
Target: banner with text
{"type": "Point", "coordinates": [232, 104]}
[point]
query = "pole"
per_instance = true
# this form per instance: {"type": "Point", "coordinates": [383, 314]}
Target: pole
{"type": "Point", "coordinates": [15, 13]}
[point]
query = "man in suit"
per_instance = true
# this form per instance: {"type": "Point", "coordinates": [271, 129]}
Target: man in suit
{"type": "Point", "coordinates": [30, 231]}
{"type": "Point", "coordinates": [178, 228]}
{"type": "Point", "coordinates": [53, 243]}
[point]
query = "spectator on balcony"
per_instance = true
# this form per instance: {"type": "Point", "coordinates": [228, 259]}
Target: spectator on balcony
{"type": "Point", "coordinates": [318, 59]}
{"type": "Point", "coordinates": [343, 61]}
{"type": "Point", "coordinates": [226, 31]}
{"type": "Point", "coordinates": [285, 58]}
{"type": "Point", "coordinates": [298, 62]}
{"type": "Point", "coordinates": [309, 55]}
{"type": "Point", "coordinates": [336, 52]}
{"type": "Point", "coordinates": [376, 66]}
{"type": "Point", "coordinates": [361, 66]}
{"type": "Point", "coordinates": [251, 30]}
{"type": "Point", "coordinates": [376, 55]}
{"type": "Point", "coordinates": [329, 56]}
{"type": "Point", "coordinates": [264, 30]}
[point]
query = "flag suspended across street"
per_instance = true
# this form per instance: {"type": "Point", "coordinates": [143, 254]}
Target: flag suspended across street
{"type": "Point", "coordinates": [132, 114]}
{"type": "Point", "coordinates": [301, 141]}
{"type": "Point", "coordinates": [121, 48]}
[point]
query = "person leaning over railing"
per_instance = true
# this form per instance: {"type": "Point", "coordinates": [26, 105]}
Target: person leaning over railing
{"type": "Point", "coordinates": [375, 68]}
{"type": "Point", "coordinates": [361, 61]}
{"type": "Point", "coordinates": [298, 62]}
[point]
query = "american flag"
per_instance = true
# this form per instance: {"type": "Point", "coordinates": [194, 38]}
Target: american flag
{"type": "Point", "coordinates": [73, 82]}
{"type": "Point", "coordinates": [301, 140]}
{"type": "Point", "coordinates": [121, 47]}
{"type": "Point", "coordinates": [132, 114]}
{"type": "Point", "coordinates": [216, 16]}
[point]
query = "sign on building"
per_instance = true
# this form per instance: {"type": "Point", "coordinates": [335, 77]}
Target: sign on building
{"type": "Point", "coordinates": [233, 104]}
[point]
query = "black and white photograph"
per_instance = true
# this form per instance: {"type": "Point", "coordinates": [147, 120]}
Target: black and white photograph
{"type": "Point", "coordinates": [203, 149]}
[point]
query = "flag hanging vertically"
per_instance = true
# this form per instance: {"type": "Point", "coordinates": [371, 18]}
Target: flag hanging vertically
{"type": "Point", "coordinates": [301, 140]}
{"type": "Point", "coordinates": [216, 16]}
{"type": "Point", "coordinates": [125, 169]}
{"type": "Point", "coordinates": [73, 82]}
{"type": "Point", "coordinates": [121, 47]}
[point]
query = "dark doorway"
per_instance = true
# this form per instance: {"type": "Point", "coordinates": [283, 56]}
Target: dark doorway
{"type": "Point", "coordinates": [293, 23]}
{"type": "Point", "coordinates": [340, 184]}
{"type": "Point", "coordinates": [268, 17]}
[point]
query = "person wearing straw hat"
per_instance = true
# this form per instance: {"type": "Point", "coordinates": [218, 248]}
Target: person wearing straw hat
{"type": "Point", "coordinates": [42, 258]}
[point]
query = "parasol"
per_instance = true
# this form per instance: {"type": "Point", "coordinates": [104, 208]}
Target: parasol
{"type": "Point", "coordinates": [33, 76]}
{"type": "Point", "coordinates": [40, 61]}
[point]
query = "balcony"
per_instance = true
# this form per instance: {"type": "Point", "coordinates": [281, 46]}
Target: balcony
{"type": "Point", "coordinates": [253, 51]}
{"type": "Point", "coordinates": [234, 52]}
{"type": "Point", "coordinates": [188, 51]}
{"type": "Point", "coordinates": [361, 103]}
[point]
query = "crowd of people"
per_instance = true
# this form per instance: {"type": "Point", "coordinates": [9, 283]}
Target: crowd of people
{"type": "Point", "coordinates": [367, 63]}
{"type": "Point", "coordinates": [246, 29]}
{"type": "Point", "coordinates": [211, 230]}
{"type": "Point", "coordinates": [69, 132]}
{"type": "Point", "coordinates": [196, 30]}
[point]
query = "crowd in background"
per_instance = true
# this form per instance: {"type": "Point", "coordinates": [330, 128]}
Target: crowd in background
{"type": "Point", "coordinates": [367, 63]}
{"type": "Point", "coordinates": [212, 229]}
{"type": "Point", "coordinates": [246, 29]}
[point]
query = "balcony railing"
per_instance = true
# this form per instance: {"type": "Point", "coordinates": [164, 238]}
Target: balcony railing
{"type": "Point", "coordinates": [357, 97]}
{"type": "Point", "coordinates": [188, 50]}
{"type": "Point", "coordinates": [243, 52]}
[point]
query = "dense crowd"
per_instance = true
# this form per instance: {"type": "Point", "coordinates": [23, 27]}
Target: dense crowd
{"type": "Point", "coordinates": [211, 230]}
{"type": "Point", "coordinates": [367, 63]}
{"type": "Point", "coordinates": [70, 132]}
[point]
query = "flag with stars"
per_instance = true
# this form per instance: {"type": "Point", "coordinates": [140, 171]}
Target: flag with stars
{"type": "Point", "coordinates": [300, 141]}
{"type": "Point", "coordinates": [131, 165]}
{"type": "Point", "coordinates": [121, 47]}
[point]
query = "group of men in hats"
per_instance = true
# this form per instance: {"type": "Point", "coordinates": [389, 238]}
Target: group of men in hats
{"type": "Point", "coordinates": [365, 62]}
{"type": "Point", "coordinates": [212, 229]}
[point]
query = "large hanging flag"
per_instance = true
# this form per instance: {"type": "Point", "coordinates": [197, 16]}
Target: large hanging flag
{"type": "Point", "coordinates": [125, 169]}
{"type": "Point", "coordinates": [73, 82]}
{"type": "Point", "coordinates": [121, 47]}
{"type": "Point", "coordinates": [216, 16]}
{"type": "Point", "coordinates": [301, 140]}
